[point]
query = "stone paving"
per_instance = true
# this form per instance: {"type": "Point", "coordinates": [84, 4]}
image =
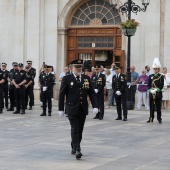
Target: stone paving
{"type": "Point", "coordinates": [31, 142]}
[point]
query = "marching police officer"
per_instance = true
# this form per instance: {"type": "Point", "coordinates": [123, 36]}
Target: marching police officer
{"type": "Point", "coordinates": [98, 82]}
{"type": "Point", "coordinates": [12, 92]}
{"type": "Point", "coordinates": [33, 72]}
{"type": "Point", "coordinates": [1, 90]}
{"type": "Point", "coordinates": [155, 85]}
{"type": "Point", "coordinates": [19, 80]}
{"type": "Point", "coordinates": [119, 85]}
{"type": "Point", "coordinates": [47, 82]}
{"type": "Point", "coordinates": [28, 88]}
{"type": "Point", "coordinates": [76, 87]}
{"type": "Point", "coordinates": [5, 84]}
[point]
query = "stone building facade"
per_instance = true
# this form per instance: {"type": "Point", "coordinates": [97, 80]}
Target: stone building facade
{"type": "Point", "coordinates": [41, 31]}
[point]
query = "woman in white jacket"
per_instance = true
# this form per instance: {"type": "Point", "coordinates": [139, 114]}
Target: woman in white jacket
{"type": "Point", "coordinates": [109, 87]}
{"type": "Point", "coordinates": [166, 89]}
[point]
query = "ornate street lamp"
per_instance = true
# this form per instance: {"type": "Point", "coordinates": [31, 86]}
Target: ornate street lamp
{"type": "Point", "coordinates": [129, 7]}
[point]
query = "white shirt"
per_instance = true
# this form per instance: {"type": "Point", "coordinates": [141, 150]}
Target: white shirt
{"type": "Point", "coordinates": [112, 72]}
{"type": "Point", "coordinates": [76, 77]}
{"type": "Point", "coordinates": [62, 75]}
{"type": "Point", "coordinates": [109, 82]}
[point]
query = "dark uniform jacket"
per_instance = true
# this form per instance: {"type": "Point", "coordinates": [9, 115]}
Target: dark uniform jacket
{"type": "Point", "coordinates": [29, 77]}
{"type": "Point", "coordinates": [119, 84]}
{"type": "Point", "coordinates": [6, 76]}
{"type": "Point", "coordinates": [76, 94]}
{"type": "Point", "coordinates": [19, 76]}
{"type": "Point", "coordinates": [11, 73]}
{"type": "Point", "coordinates": [33, 72]}
{"type": "Point", "coordinates": [99, 82]}
{"type": "Point", "coordinates": [48, 81]}
{"type": "Point", "coordinates": [1, 77]}
{"type": "Point", "coordinates": [156, 81]}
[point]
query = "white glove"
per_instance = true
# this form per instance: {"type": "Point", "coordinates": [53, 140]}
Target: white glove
{"type": "Point", "coordinates": [61, 113]}
{"type": "Point", "coordinates": [96, 90]}
{"type": "Point", "coordinates": [95, 110]}
{"type": "Point", "coordinates": [118, 93]}
{"type": "Point", "coordinates": [153, 91]}
{"type": "Point", "coordinates": [44, 88]}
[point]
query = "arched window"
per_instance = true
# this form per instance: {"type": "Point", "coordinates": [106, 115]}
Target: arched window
{"type": "Point", "coordinates": [95, 12]}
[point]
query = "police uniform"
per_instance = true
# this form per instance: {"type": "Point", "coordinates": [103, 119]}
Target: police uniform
{"type": "Point", "coordinates": [20, 77]}
{"type": "Point", "coordinates": [98, 82]}
{"type": "Point", "coordinates": [47, 83]}
{"type": "Point", "coordinates": [119, 84]}
{"type": "Point", "coordinates": [5, 85]}
{"type": "Point", "coordinates": [155, 86]}
{"type": "Point", "coordinates": [1, 90]}
{"type": "Point", "coordinates": [33, 72]}
{"type": "Point", "coordinates": [29, 89]}
{"type": "Point", "coordinates": [40, 80]}
{"type": "Point", "coordinates": [76, 89]}
{"type": "Point", "coordinates": [12, 92]}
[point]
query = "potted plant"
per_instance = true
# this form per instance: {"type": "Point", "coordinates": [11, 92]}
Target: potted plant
{"type": "Point", "coordinates": [129, 27]}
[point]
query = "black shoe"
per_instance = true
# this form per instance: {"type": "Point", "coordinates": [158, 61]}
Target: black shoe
{"type": "Point", "coordinates": [96, 117]}
{"type": "Point", "coordinates": [73, 152]}
{"type": "Point", "coordinates": [160, 121]}
{"type": "Point", "coordinates": [1, 110]}
{"type": "Point", "coordinates": [100, 118]}
{"type": "Point", "coordinates": [125, 119]}
{"type": "Point", "coordinates": [10, 109]}
{"type": "Point", "coordinates": [118, 118]}
{"type": "Point", "coordinates": [30, 108]}
{"type": "Point", "coordinates": [49, 114]}
{"type": "Point", "coordinates": [16, 112]}
{"type": "Point", "coordinates": [78, 154]}
{"type": "Point", "coordinates": [43, 114]}
{"type": "Point", "coordinates": [22, 112]}
{"type": "Point", "coordinates": [149, 121]}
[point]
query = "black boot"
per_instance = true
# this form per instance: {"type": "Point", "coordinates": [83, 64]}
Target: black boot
{"type": "Point", "coordinates": [10, 109]}
{"type": "Point", "coordinates": [150, 120]}
{"type": "Point", "coordinates": [16, 112]}
{"type": "Point", "coordinates": [43, 114]}
{"type": "Point", "coordinates": [30, 108]}
{"type": "Point", "coordinates": [22, 112]}
{"type": "Point", "coordinates": [1, 110]}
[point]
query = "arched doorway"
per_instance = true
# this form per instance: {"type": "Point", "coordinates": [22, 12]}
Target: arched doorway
{"type": "Point", "coordinates": [94, 35]}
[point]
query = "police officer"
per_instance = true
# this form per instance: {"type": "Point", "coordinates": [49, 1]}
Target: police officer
{"type": "Point", "coordinates": [76, 87]}
{"type": "Point", "coordinates": [119, 84]}
{"type": "Point", "coordinates": [98, 82]}
{"type": "Point", "coordinates": [5, 84]}
{"type": "Point", "coordinates": [19, 80]}
{"type": "Point", "coordinates": [33, 72]}
{"type": "Point", "coordinates": [28, 88]}
{"type": "Point", "coordinates": [155, 85]}
{"type": "Point", "coordinates": [12, 92]}
{"type": "Point", "coordinates": [47, 83]}
{"type": "Point", "coordinates": [1, 90]}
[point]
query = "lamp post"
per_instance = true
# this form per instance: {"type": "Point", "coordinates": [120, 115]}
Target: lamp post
{"type": "Point", "coordinates": [127, 8]}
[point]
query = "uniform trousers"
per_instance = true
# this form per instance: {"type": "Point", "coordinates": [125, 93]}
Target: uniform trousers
{"type": "Point", "coordinates": [12, 96]}
{"type": "Point", "coordinates": [121, 104]}
{"type": "Point", "coordinates": [5, 92]}
{"type": "Point", "coordinates": [1, 96]}
{"type": "Point", "coordinates": [77, 126]}
{"type": "Point", "coordinates": [100, 98]}
{"type": "Point", "coordinates": [46, 96]}
{"type": "Point", "coordinates": [142, 96]}
{"type": "Point", "coordinates": [29, 94]}
{"type": "Point", "coordinates": [20, 94]}
{"type": "Point", "coordinates": [158, 102]}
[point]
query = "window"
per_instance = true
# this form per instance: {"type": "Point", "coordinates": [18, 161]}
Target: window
{"type": "Point", "coordinates": [95, 12]}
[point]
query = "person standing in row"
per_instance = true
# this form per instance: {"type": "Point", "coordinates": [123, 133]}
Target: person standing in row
{"type": "Point", "coordinates": [1, 90]}
{"type": "Point", "coordinates": [119, 85]}
{"type": "Point", "coordinates": [12, 92]}
{"type": "Point", "coordinates": [33, 72]}
{"type": "Point", "coordinates": [47, 83]}
{"type": "Point", "coordinates": [98, 82]}
{"type": "Point", "coordinates": [76, 87]}
{"type": "Point", "coordinates": [19, 80]}
{"type": "Point", "coordinates": [5, 84]}
{"type": "Point", "coordinates": [29, 88]}
{"type": "Point", "coordinates": [155, 86]}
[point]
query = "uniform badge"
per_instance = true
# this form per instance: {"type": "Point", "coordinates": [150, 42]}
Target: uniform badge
{"type": "Point", "coordinates": [71, 83]}
{"type": "Point", "coordinates": [16, 73]}
{"type": "Point", "coordinates": [86, 84]}
{"type": "Point", "coordinates": [122, 79]}
{"type": "Point", "coordinates": [151, 77]}
{"type": "Point", "coordinates": [21, 74]}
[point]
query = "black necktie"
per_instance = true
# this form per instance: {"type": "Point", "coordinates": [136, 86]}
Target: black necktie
{"type": "Point", "coordinates": [117, 76]}
{"type": "Point", "coordinates": [78, 79]}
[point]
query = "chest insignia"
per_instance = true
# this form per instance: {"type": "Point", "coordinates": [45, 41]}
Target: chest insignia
{"type": "Point", "coordinates": [71, 83]}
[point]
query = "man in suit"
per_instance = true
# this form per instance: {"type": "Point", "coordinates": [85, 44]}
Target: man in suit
{"type": "Point", "coordinates": [98, 82]}
{"type": "Point", "coordinates": [155, 85]}
{"type": "Point", "coordinates": [76, 87]}
{"type": "Point", "coordinates": [119, 84]}
{"type": "Point", "coordinates": [33, 72]}
{"type": "Point", "coordinates": [47, 82]}
{"type": "Point", "coordinates": [5, 84]}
